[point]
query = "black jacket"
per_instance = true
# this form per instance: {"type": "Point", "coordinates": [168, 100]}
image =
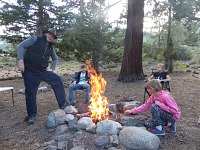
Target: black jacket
{"type": "Point", "coordinates": [37, 56]}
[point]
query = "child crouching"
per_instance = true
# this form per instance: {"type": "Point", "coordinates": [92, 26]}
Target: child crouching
{"type": "Point", "coordinates": [164, 109]}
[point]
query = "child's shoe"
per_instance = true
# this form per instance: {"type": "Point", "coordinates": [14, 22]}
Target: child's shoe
{"type": "Point", "coordinates": [172, 128]}
{"type": "Point", "coordinates": [157, 132]}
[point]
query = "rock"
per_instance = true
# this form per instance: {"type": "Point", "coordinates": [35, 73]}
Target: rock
{"type": "Point", "coordinates": [78, 148]}
{"type": "Point", "coordinates": [61, 129]}
{"type": "Point", "coordinates": [83, 108]}
{"type": "Point", "coordinates": [120, 105]}
{"type": "Point", "coordinates": [137, 138]}
{"type": "Point", "coordinates": [56, 118]}
{"type": "Point", "coordinates": [195, 72]}
{"type": "Point", "coordinates": [102, 142]}
{"type": "Point", "coordinates": [71, 120]}
{"type": "Point", "coordinates": [113, 107]}
{"type": "Point", "coordinates": [52, 142]}
{"type": "Point", "coordinates": [84, 122]}
{"type": "Point", "coordinates": [113, 148]}
{"type": "Point", "coordinates": [62, 145]}
{"type": "Point", "coordinates": [133, 120]}
{"type": "Point", "coordinates": [108, 127]}
{"type": "Point", "coordinates": [50, 147]}
{"type": "Point", "coordinates": [71, 144]}
{"type": "Point", "coordinates": [114, 140]}
{"type": "Point", "coordinates": [91, 128]}
{"type": "Point", "coordinates": [44, 89]}
{"type": "Point", "coordinates": [64, 137]}
{"type": "Point", "coordinates": [70, 110]}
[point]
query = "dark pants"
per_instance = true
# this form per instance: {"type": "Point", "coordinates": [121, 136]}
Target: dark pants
{"type": "Point", "coordinates": [32, 82]}
{"type": "Point", "coordinates": [159, 117]}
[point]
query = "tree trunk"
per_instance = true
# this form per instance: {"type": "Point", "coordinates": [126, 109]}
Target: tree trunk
{"type": "Point", "coordinates": [168, 54]}
{"type": "Point", "coordinates": [131, 69]}
{"type": "Point", "coordinates": [40, 24]}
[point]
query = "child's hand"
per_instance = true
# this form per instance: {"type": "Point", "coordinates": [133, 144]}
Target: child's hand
{"type": "Point", "coordinates": [127, 112]}
{"type": "Point", "coordinates": [125, 108]}
{"type": "Point", "coordinates": [157, 102]}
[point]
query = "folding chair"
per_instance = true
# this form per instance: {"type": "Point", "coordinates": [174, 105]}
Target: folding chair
{"type": "Point", "coordinates": [165, 86]}
{"type": "Point", "coordinates": [3, 89]}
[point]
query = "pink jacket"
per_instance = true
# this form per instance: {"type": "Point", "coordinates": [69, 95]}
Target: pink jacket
{"type": "Point", "coordinates": [167, 103]}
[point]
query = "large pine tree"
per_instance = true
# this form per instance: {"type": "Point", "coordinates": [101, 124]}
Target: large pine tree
{"type": "Point", "coordinates": [131, 69]}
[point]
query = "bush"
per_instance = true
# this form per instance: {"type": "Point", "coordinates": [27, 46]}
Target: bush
{"type": "Point", "coordinates": [180, 66]}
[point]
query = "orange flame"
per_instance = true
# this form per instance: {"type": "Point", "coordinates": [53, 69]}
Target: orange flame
{"type": "Point", "coordinates": [98, 103]}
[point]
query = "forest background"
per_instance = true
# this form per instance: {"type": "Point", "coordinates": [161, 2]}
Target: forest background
{"type": "Point", "coordinates": [86, 33]}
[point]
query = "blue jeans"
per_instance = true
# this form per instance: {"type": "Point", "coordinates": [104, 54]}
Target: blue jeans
{"type": "Point", "coordinates": [73, 87]}
{"type": "Point", "coordinates": [32, 82]}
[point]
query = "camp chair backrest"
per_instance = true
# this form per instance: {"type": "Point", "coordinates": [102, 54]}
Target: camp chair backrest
{"type": "Point", "coordinates": [165, 85]}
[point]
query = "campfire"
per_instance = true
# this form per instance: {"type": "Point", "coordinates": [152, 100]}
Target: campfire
{"type": "Point", "coordinates": [98, 109]}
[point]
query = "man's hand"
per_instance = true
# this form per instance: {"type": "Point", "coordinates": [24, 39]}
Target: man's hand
{"type": "Point", "coordinates": [49, 69]}
{"type": "Point", "coordinates": [21, 65]}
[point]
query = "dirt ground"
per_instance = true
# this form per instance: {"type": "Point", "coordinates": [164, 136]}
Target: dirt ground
{"type": "Point", "coordinates": [15, 134]}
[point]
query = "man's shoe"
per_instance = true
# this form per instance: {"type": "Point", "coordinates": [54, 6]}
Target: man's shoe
{"type": "Point", "coordinates": [31, 120]}
{"type": "Point", "coordinates": [72, 103]}
{"type": "Point", "coordinates": [65, 105]}
{"type": "Point", "coordinates": [172, 128]}
{"type": "Point", "coordinates": [157, 132]}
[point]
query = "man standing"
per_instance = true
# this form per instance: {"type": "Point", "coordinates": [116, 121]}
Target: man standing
{"type": "Point", "coordinates": [33, 56]}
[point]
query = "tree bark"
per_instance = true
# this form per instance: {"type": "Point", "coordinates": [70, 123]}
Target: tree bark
{"type": "Point", "coordinates": [131, 69]}
{"type": "Point", "coordinates": [40, 24]}
{"type": "Point", "coordinates": [168, 54]}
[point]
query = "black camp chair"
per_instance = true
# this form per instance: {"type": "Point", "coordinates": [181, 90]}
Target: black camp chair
{"type": "Point", "coordinates": [165, 86]}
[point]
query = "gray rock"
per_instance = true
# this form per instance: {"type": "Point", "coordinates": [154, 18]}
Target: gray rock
{"type": "Point", "coordinates": [71, 144]}
{"type": "Point", "coordinates": [121, 104]}
{"type": "Point", "coordinates": [62, 145]}
{"type": "Point", "coordinates": [55, 118]}
{"type": "Point", "coordinates": [61, 129]}
{"type": "Point", "coordinates": [44, 89]}
{"type": "Point", "coordinates": [133, 120]}
{"type": "Point", "coordinates": [114, 141]}
{"type": "Point", "coordinates": [50, 147]}
{"type": "Point", "coordinates": [133, 137]}
{"type": "Point", "coordinates": [78, 148]}
{"type": "Point", "coordinates": [64, 137]}
{"type": "Point", "coordinates": [91, 128]}
{"type": "Point", "coordinates": [70, 110]}
{"type": "Point", "coordinates": [84, 122]}
{"type": "Point", "coordinates": [108, 127]}
{"type": "Point", "coordinates": [52, 142]}
{"type": "Point", "coordinates": [113, 148]}
{"type": "Point", "coordinates": [71, 120]}
{"type": "Point", "coordinates": [102, 142]}
{"type": "Point", "coordinates": [113, 107]}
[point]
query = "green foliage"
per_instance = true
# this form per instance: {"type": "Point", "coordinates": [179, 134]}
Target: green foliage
{"type": "Point", "coordinates": [180, 66]}
{"type": "Point", "coordinates": [90, 36]}
{"type": "Point", "coordinates": [26, 17]}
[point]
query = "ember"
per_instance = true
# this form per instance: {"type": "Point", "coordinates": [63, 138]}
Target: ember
{"type": "Point", "coordinates": [98, 103]}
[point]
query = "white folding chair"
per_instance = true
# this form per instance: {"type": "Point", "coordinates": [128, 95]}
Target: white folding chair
{"type": "Point", "coordinates": [3, 89]}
